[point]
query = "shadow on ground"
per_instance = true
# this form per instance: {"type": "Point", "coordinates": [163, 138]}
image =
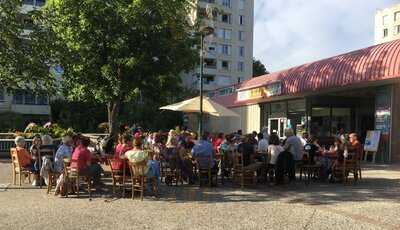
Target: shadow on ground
{"type": "Point", "coordinates": [373, 187]}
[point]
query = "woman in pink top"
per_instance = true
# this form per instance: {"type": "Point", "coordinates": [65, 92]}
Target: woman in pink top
{"type": "Point", "coordinates": [120, 149]}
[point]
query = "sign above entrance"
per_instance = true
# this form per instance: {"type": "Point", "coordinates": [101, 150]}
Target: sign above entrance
{"type": "Point", "coordinates": [270, 90]}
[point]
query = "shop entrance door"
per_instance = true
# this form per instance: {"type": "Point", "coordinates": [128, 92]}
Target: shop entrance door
{"type": "Point", "coordinates": [277, 125]}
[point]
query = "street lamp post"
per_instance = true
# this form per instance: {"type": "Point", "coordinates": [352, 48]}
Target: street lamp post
{"type": "Point", "coordinates": [203, 33]}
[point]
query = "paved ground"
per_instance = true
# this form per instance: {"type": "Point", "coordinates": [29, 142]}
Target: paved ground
{"type": "Point", "coordinates": [374, 203]}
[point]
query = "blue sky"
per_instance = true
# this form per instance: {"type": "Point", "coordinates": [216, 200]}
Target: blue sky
{"type": "Point", "coordinates": [288, 33]}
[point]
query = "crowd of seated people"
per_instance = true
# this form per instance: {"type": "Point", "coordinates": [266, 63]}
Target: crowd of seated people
{"type": "Point", "coordinates": [184, 151]}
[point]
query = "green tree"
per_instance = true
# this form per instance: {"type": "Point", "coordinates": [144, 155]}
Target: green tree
{"type": "Point", "coordinates": [258, 68]}
{"type": "Point", "coordinates": [21, 63]}
{"type": "Point", "coordinates": [112, 51]}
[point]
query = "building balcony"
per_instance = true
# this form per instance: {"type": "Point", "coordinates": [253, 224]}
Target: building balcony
{"type": "Point", "coordinates": [30, 109]}
{"type": "Point", "coordinates": [4, 106]}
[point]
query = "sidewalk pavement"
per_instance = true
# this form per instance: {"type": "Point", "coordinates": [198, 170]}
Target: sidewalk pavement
{"type": "Point", "coordinates": [373, 203]}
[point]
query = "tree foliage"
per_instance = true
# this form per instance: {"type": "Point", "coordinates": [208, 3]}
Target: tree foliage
{"type": "Point", "coordinates": [258, 68]}
{"type": "Point", "coordinates": [113, 51]}
{"type": "Point", "coordinates": [22, 63]}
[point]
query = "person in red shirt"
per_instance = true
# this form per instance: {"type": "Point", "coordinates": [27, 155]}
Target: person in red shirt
{"type": "Point", "coordinates": [218, 141]}
{"type": "Point", "coordinates": [355, 146]}
{"type": "Point", "coordinates": [82, 160]}
{"type": "Point", "coordinates": [24, 158]}
{"type": "Point", "coordinates": [120, 150]}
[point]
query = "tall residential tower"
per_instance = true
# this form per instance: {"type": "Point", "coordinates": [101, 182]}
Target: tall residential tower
{"type": "Point", "coordinates": [387, 24]}
{"type": "Point", "coordinates": [228, 52]}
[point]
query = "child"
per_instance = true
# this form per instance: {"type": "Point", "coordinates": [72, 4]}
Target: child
{"type": "Point", "coordinates": [153, 173]}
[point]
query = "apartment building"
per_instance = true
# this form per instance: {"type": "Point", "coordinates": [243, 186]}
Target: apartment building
{"type": "Point", "coordinates": [31, 106]}
{"type": "Point", "coordinates": [387, 24]}
{"type": "Point", "coordinates": [228, 53]}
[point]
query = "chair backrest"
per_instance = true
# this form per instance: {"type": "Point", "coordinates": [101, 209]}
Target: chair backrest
{"type": "Point", "coordinates": [73, 171]}
{"type": "Point", "coordinates": [114, 171]}
{"type": "Point", "coordinates": [351, 162]}
{"type": "Point", "coordinates": [66, 163]}
{"type": "Point", "coordinates": [14, 159]}
{"type": "Point", "coordinates": [237, 160]}
{"type": "Point", "coordinates": [204, 159]}
{"type": "Point", "coordinates": [47, 152]}
{"type": "Point", "coordinates": [137, 169]}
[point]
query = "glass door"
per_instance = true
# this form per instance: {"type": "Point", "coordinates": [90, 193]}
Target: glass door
{"type": "Point", "coordinates": [277, 125]}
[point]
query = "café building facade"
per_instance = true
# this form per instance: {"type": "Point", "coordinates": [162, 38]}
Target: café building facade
{"type": "Point", "coordinates": [357, 91]}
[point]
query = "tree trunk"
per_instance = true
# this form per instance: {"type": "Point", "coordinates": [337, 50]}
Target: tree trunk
{"type": "Point", "coordinates": [113, 108]}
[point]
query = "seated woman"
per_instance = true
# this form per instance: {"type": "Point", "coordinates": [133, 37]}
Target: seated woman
{"type": "Point", "coordinates": [47, 153]}
{"type": "Point", "coordinates": [24, 158]}
{"type": "Point", "coordinates": [125, 145]}
{"type": "Point", "coordinates": [171, 151]}
{"type": "Point", "coordinates": [334, 160]}
{"type": "Point", "coordinates": [312, 149]}
{"type": "Point", "coordinates": [274, 149]}
{"type": "Point", "coordinates": [47, 148]}
{"type": "Point", "coordinates": [34, 150]}
{"type": "Point", "coordinates": [137, 154]}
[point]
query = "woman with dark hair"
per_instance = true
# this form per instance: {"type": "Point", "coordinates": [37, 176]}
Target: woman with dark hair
{"type": "Point", "coordinates": [126, 145]}
{"type": "Point", "coordinates": [217, 142]}
{"type": "Point", "coordinates": [34, 150]}
{"type": "Point", "coordinates": [333, 158]}
{"type": "Point", "coordinates": [274, 148]}
{"type": "Point", "coordinates": [312, 148]}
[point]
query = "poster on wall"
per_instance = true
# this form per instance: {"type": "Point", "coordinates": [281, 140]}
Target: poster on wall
{"type": "Point", "coordinates": [372, 140]}
{"type": "Point", "coordinates": [382, 120]}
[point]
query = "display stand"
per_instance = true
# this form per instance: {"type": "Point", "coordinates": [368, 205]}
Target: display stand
{"type": "Point", "coordinates": [371, 144]}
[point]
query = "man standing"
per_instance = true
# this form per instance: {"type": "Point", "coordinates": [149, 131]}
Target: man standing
{"type": "Point", "coordinates": [293, 145]}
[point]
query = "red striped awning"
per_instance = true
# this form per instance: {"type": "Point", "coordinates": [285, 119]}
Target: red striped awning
{"type": "Point", "coordinates": [375, 63]}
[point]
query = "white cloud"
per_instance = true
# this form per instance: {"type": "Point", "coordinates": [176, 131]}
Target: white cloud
{"type": "Point", "coordinates": [293, 32]}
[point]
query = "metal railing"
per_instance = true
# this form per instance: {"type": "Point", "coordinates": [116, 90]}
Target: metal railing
{"type": "Point", "coordinates": [7, 144]}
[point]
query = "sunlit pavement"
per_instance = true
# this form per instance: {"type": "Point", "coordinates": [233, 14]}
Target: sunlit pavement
{"type": "Point", "coordinates": [373, 203]}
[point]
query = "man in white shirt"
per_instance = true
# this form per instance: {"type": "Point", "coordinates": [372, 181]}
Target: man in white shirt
{"type": "Point", "coordinates": [293, 145]}
{"type": "Point", "coordinates": [304, 138]}
{"type": "Point", "coordinates": [262, 144]}
{"type": "Point", "coordinates": [265, 133]}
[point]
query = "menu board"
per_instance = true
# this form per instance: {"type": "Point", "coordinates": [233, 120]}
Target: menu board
{"type": "Point", "coordinates": [372, 141]}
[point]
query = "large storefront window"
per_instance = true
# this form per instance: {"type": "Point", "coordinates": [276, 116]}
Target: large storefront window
{"type": "Point", "coordinates": [320, 121]}
{"type": "Point", "coordinates": [297, 116]}
{"type": "Point", "coordinates": [341, 119]}
{"type": "Point", "coordinates": [278, 109]}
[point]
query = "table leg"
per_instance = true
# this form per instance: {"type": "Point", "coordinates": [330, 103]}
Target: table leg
{"type": "Point", "coordinates": [123, 180]}
{"type": "Point", "coordinates": [40, 169]}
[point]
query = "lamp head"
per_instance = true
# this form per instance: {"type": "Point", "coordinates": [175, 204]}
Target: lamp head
{"type": "Point", "coordinates": [207, 30]}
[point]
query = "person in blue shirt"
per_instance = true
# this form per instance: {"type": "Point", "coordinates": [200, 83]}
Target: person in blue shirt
{"type": "Point", "coordinates": [203, 153]}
